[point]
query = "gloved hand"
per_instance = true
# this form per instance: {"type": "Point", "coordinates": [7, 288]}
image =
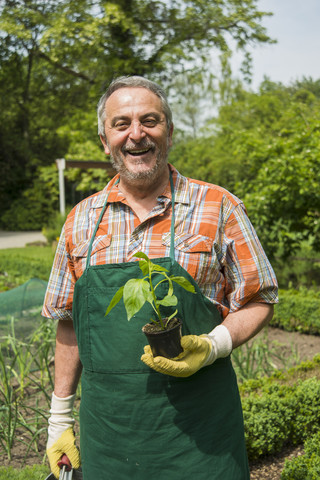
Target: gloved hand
{"type": "Point", "coordinates": [198, 352]}
{"type": "Point", "coordinates": [61, 438]}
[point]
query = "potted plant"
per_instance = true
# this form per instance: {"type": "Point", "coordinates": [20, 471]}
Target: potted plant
{"type": "Point", "coordinates": [163, 333]}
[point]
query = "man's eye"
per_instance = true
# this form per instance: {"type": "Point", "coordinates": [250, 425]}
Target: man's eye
{"type": "Point", "coordinates": [150, 122]}
{"type": "Point", "coordinates": [121, 125]}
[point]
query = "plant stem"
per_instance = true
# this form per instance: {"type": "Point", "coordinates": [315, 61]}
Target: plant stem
{"type": "Point", "coordinates": [155, 301]}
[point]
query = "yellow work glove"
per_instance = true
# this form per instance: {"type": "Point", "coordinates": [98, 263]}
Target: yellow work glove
{"type": "Point", "coordinates": [198, 352]}
{"type": "Point", "coordinates": [61, 439]}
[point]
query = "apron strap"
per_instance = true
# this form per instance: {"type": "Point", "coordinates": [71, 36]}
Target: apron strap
{"type": "Point", "coordinates": [172, 219]}
{"type": "Point", "coordinates": [96, 228]}
{"type": "Point", "coordinates": [104, 209]}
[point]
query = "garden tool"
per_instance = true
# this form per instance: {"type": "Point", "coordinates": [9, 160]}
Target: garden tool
{"type": "Point", "coordinates": [66, 471]}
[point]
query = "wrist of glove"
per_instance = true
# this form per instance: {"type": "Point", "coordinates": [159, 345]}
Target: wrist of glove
{"type": "Point", "coordinates": [61, 439]}
{"type": "Point", "coordinates": [198, 352]}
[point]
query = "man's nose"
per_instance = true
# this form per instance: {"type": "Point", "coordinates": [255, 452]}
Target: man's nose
{"type": "Point", "coordinates": [137, 131]}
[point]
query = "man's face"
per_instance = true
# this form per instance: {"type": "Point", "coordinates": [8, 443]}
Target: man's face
{"type": "Point", "coordinates": [137, 137]}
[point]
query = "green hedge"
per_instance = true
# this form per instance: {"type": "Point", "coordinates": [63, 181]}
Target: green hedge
{"type": "Point", "coordinates": [307, 466]}
{"type": "Point", "coordinates": [282, 409]}
{"type": "Point", "coordinates": [37, 472]}
{"type": "Point", "coordinates": [18, 265]}
{"type": "Point", "coordinates": [298, 310]}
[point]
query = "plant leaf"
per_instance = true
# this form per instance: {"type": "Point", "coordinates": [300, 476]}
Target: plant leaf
{"type": "Point", "coordinates": [116, 298]}
{"type": "Point", "coordinates": [168, 301]}
{"type": "Point", "coordinates": [171, 316]}
{"type": "Point", "coordinates": [136, 292]}
{"type": "Point", "coordinates": [184, 283]}
{"type": "Point", "coordinates": [144, 267]}
{"type": "Point", "coordinates": [141, 255]}
{"type": "Point", "coordinates": [153, 266]}
{"type": "Point", "coordinates": [157, 268]}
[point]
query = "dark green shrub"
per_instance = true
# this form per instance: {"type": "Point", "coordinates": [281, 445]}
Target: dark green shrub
{"type": "Point", "coordinates": [267, 423]}
{"type": "Point", "coordinates": [307, 466]}
{"type": "Point", "coordinates": [282, 409]}
{"type": "Point", "coordinates": [36, 205]}
{"type": "Point", "coordinates": [298, 310]}
{"type": "Point", "coordinates": [53, 229]}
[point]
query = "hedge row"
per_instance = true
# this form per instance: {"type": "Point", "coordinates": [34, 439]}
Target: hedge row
{"type": "Point", "coordinates": [282, 409]}
{"type": "Point", "coordinates": [307, 466]}
{"type": "Point", "coordinates": [298, 310]}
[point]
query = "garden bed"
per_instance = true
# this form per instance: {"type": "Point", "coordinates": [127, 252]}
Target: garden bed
{"type": "Point", "coordinates": [265, 468]}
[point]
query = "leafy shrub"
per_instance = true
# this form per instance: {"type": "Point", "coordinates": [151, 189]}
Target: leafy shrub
{"type": "Point", "coordinates": [307, 466]}
{"type": "Point", "coordinates": [298, 310]}
{"type": "Point", "coordinates": [267, 424]}
{"type": "Point", "coordinates": [281, 409]}
{"type": "Point", "coordinates": [52, 231]}
{"type": "Point", "coordinates": [18, 265]}
{"type": "Point", "coordinates": [36, 205]}
{"type": "Point", "coordinates": [37, 472]}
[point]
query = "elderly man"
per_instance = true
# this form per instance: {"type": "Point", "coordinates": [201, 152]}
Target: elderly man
{"type": "Point", "coordinates": [156, 418]}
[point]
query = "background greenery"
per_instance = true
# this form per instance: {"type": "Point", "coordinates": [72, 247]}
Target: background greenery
{"type": "Point", "coordinates": [56, 59]}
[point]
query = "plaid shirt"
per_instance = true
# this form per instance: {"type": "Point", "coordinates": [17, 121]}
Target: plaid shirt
{"type": "Point", "coordinates": [214, 241]}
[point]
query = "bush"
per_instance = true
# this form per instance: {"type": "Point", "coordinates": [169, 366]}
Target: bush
{"type": "Point", "coordinates": [298, 310]}
{"type": "Point", "coordinates": [36, 205]}
{"type": "Point", "coordinates": [18, 265]}
{"type": "Point", "coordinates": [52, 231]}
{"type": "Point", "coordinates": [281, 409]}
{"type": "Point", "coordinates": [307, 466]}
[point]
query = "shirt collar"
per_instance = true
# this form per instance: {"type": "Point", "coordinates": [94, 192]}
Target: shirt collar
{"type": "Point", "coordinates": [180, 183]}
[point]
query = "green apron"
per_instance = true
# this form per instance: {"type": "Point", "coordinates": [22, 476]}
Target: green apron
{"type": "Point", "coordinates": [136, 423]}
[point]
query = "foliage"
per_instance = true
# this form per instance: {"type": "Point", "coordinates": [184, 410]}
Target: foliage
{"type": "Point", "coordinates": [25, 367]}
{"type": "Point", "coordinates": [37, 204]}
{"type": "Point", "coordinates": [261, 357]}
{"type": "Point", "coordinates": [299, 270]}
{"type": "Point", "coordinates": [18, 265]}
{"type": "Point", "coordinates": [58, 56]}
{"type": "Point", "coordinates": [36, 472]}
{"type": "Point", "coordinates": [52, 230]}
{"type": "Point", "coordinates": [276, 413]}
{"type": "Point", "coordinates": [307, 466]}
{"type": "Point", "coordinates": [137, 291]}
{"type": "Point", "coordinates": [264, 147]}
{"type": "Point", "coordinates": [298, 310]}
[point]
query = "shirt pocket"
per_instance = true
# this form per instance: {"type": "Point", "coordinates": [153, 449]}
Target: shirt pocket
{"type": "Point", "coordinates": [98, 253]}
{"type": "Point", "coordinates": [193, 252]}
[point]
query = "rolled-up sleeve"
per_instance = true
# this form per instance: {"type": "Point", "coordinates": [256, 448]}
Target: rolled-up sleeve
{"type": "Point", "coordinates": [59, 295]}
{"type": "Point", "coordinates": [248, 272]}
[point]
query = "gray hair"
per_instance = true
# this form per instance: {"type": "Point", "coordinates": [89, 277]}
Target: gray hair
{"type": "Point", "coordinates": [132, 82]}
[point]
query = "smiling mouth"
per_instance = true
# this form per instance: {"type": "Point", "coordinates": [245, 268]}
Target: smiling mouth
{"type": "Point", "coordinates": [141, 151]}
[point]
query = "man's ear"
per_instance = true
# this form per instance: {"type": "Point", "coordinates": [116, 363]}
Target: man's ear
{"type": "Point", "coordinates": [170, 135]}
{"type": "Point", "coordinates": [105, 145]}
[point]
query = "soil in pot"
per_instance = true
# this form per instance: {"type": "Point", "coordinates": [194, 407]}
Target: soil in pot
{"type": "Point", "coordinates": [164, 343]}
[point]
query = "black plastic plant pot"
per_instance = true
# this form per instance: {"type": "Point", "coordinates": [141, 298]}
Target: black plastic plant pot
{"type": "Point", "coordinates": [164, 343]}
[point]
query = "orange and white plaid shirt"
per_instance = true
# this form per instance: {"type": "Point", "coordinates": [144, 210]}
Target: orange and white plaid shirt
{"type": "Point", "coordinates": [214, 241]}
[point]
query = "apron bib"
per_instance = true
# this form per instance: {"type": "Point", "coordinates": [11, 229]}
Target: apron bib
{"type": "Point", "coordinates": [136, 423]}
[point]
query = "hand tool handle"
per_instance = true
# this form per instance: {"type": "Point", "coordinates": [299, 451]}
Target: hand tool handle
{"type": "Point", "coordinates": [64, 461]}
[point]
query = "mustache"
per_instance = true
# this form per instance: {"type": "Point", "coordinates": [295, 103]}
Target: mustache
{"type": "Point", "coordinates": [141, 145]}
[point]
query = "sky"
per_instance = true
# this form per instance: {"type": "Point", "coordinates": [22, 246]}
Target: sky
{"type": "Point", "coordinates": [295, 25]}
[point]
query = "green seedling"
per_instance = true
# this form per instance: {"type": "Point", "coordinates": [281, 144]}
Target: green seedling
{"type": "Point", "coordinates": [137, 291]}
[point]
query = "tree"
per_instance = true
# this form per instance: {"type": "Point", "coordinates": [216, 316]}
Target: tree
{"type": "Point", "coordinates": [265, 148]}
{"type": "Point", "coordinates": [56, 57]}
